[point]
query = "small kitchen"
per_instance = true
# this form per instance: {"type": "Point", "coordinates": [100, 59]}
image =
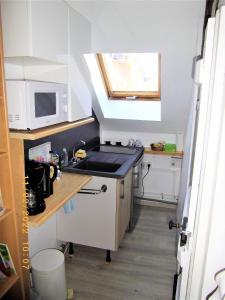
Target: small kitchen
{"type": "Point", "coordinates": [102, 177]}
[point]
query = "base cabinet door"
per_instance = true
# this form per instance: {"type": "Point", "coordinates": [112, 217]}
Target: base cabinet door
{"type": "Point", "coordinates": [93, 219]}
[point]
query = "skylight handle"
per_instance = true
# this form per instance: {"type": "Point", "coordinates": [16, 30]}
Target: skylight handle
{"type": "Point", "coordinates": [131, 97]}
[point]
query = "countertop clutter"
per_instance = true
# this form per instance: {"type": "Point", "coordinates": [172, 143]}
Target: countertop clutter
{"type": "Point", "coordinates": [148, 150]}
{"type": "Point", "coordinates": [102, 161]}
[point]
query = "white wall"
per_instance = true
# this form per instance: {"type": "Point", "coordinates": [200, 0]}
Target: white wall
{"type": "Point", "coordinates": [172, 28]}
{"type": "Point", "coordinates": [124, 135]}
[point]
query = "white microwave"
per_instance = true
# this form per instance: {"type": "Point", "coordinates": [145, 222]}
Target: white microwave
{"type": "Point", "coordinates": [36, 104]}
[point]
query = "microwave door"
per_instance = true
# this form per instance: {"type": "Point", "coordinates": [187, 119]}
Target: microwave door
{"type": "Point", "coordinates": [45, 108]}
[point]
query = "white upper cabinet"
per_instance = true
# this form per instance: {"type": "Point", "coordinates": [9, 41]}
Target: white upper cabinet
{"type": "Point", "coordinates": [46, 40]}
{"type": "Point", "coordinates": [35, 28]}
{"type": "Point", "coordinates": [79, 79]}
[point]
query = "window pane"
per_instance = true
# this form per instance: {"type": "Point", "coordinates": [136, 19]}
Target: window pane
{"type": "Point", "coordinates": [130, 72]}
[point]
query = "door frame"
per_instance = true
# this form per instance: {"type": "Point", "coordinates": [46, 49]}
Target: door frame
{"type": "Point", "coordinates": [194, 203]}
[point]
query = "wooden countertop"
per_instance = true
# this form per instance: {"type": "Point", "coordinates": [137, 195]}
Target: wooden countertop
{"type": "Point", "coordinates": [175, 154]}
{"type": "Point", "coordinates": [64, 189]}
{"type": "Point", "coordinates": [50, 130]}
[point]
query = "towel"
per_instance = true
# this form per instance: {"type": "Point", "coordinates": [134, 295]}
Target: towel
{"type": "Point", "coordinates": [69, 206]}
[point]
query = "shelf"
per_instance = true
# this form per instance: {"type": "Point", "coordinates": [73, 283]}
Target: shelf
{"type": "Point", "coordinates": [7, 284]}
{"type": "Point", "coordinates": [7, 213]}
{"type": "Point", "coordinates": [174, 154]}
{"type": "Point", "coordinates": [50, 130]}
{"type": "Point", "coordinates": [64, 189]}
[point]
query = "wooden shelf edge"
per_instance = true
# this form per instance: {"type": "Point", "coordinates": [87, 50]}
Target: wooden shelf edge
{"type": "Point", "coordinates": [7, 213]}
{"type": "Point", "coordinates": [37, 220]}
{"type": "Point", "coordinates": [50, 130]}
{"type": "Point", "coordinates": [7, 284]}
{"type": "Point", "coordinates": [3, 154]}
{"type": "Point", "coordinates": [177, 153]}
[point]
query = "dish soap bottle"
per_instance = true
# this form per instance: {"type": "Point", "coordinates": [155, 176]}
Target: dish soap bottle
{"type": "Point", "coordinates": [64, 157]}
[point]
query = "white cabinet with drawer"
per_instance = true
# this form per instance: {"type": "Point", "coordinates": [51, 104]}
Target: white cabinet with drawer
{"type": "Point", "coordinates": [98, 220]}
{"type": "Point", "coordinates": [163, 179]}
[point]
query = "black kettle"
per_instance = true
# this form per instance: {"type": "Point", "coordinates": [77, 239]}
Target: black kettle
{"type": "Point", "coordinates": [49, 177]}
{"type": "Point", "coordinates": [53, 175]}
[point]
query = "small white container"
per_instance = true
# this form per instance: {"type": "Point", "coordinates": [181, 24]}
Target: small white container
{"type": "Point", "coordinates": [48, 272]}
{"type": "Point", "coordinates": [179, 141]}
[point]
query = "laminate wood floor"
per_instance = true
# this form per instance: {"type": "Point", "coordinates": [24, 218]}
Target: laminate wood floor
{"type": "Point", "coordinates": [142, 269]}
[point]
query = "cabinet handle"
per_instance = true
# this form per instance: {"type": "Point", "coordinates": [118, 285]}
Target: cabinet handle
{"type": "Point", "coordinates": [122, 184]}
{"type": "Point", "coordinates": [137, 182]}
{"type": "Point", "coordinates": [94, 191]}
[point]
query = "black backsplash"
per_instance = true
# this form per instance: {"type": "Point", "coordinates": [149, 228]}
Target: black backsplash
{"type": "Point", "coordinates": [69, 138]}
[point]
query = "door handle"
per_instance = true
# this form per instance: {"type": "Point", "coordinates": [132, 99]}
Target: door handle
{"type": "Point", "coordinates": [173, 225]}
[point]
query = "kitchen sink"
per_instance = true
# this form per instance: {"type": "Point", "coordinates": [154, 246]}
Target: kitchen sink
{"type": "Point", "coordinates": [97, 166]}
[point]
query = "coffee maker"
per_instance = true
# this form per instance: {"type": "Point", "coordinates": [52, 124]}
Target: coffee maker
{"type": "Point", "coordinates": [35, 174]}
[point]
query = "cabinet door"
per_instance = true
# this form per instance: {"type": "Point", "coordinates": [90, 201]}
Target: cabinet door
{"type": "Point", "coordinates": [162, 182]}
{"type": "Point", "coordinates": [16, 28]}
{"type": "Point", "coordinates": [35, 28]}
{"type": "Point", "coordinates": [80, 97]}
{"type": "Point", "coordinates": [93, 220]}
{"type": "Point", "coordinates": [49, 21]}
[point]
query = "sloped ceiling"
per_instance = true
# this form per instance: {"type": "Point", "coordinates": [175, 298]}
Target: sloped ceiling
{"type": "Point", "coordinates": [172, 28]}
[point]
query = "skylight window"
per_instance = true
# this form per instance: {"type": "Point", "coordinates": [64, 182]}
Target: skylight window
{"type": "Point", "coordinates": [131, 75]}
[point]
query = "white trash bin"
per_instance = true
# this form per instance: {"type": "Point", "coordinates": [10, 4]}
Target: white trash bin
{"type": "Point", "coordinates": [48, 272]}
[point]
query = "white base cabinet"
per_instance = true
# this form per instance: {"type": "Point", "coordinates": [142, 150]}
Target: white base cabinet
{"type": "Point", "coordinates": [98, 220]}
{"type": "Point", "coordinates": [163, 180]}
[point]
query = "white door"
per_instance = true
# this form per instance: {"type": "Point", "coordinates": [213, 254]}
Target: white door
{"type": "Point", "coordinates": [208, 235]}
{"type": "Point", "coordinates": [190, 206]}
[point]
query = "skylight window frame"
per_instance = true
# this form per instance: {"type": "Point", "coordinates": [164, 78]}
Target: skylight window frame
{"type": "Point", "coordinates": [128, 95]}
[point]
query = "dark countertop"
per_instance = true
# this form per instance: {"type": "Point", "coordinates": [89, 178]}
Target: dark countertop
{"type": "Point", "coordinates": [127, 161]}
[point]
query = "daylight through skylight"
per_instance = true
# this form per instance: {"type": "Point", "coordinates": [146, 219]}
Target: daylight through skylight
{"type": "Point", "coordinates": [131, 74]}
